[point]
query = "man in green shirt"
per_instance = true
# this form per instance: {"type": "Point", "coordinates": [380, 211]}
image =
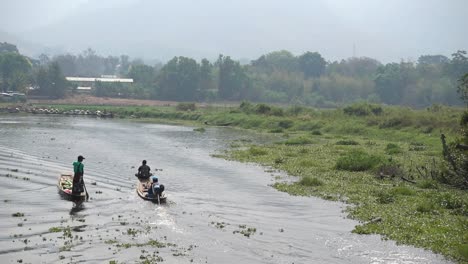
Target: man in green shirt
{"type": "Point", "coordinates": [78, 169]}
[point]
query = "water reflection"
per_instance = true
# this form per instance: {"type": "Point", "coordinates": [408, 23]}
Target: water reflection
{"type": "Point", "coordinates": [78, 206]}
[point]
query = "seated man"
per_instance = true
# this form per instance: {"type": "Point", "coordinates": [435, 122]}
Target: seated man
{"type": "Point", "coordinates": [155, 188]}
{"type": "Point", "coordinates": [144, 171]}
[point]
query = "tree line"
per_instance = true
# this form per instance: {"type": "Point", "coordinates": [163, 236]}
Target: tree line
{"type": "Point", "coordinates": [279, 77]}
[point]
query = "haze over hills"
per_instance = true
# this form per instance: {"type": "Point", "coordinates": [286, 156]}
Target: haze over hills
{"type": "Point", "coordinates": [244, 29]}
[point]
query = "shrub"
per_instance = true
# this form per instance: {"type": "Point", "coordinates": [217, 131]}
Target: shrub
{"type": "Point", "coordinates": [308, 126]}
{"type": "Point", "coordinates": [425, 207]}
{"type": "Point", "coordinates": [402, 190]}
{"type": "Point", "coordinates": [450, 201]}
{"type": "Point", "coordinates": [427, 184]}
{"type": "Point", "coordinates": [276, 130]}
{"type": "Point", "coordinates": [298, 141]}
{"type": "Point", "coordinates": [262, 109]}
{"type": "Point", "coordinates": [186, 107]}
{"type": "Point", "coordinates": [296, 109]}
{"type": "Point", "coordinates": [358, 160]}
{"type": "Point", "coordinates": [316, 133]}
{"type": "Point", "coordinates": [285, 123]}
{"type": "Point", "coordinates": [363, 109]}
{"type": "Point", "coordinates": [310, 181]}
{"type": "Point", "coordinates": [455, 170]}
{"type": "Point", "coordinates": [276, 111]}
{"type": "Point", "coordinates": [392, 149]}
{"type": "Point", "coordinates": [347, 142]}
{"type": "Point", "coordinates": [390, 169]}
{"type": "Point", "coordinates": [463, 251]}
{"type": "Point", "coordinates": [383, 197]}
{"type": "Point", "coordinates": [256, 151]}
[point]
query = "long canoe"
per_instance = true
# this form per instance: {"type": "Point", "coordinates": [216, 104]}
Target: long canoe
{"type": "Point", "coordinates": [142, 191]}
{"type": "Point", "coordinates": [65, 185]}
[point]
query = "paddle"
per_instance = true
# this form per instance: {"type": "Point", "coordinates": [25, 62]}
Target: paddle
{"type": "Point", "coordinates": [87, 195]}
{"type": "Point", "coordinates": [159, 202]}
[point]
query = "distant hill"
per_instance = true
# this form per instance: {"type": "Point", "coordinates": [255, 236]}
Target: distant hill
{"type": "Point", "coordinates": [25, 47]}
{"type": "Point", "coordinates": [163, 29]}
{"type": "Point", "coordinates": [387, 30]}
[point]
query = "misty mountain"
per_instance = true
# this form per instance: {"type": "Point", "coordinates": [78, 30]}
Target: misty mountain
{"type": "Point", "coordinates": [248, 29]}
{"type": "Point", "coordinates": [27, 48]}
{"type": "Point", "coordinates": [165, 29]}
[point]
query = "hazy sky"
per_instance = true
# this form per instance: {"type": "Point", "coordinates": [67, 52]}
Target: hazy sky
{"type": "Point", "coordinates": [388, 30]}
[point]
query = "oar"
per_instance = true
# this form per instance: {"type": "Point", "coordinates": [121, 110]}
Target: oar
{"type": "Point", "coordinates": [159, 202]}
{"type": "Point", "coordinates": [87, 195]}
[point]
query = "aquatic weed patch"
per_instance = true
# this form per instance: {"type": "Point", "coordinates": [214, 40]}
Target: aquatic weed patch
{"type": "Point", "coordinates": [424, 214]}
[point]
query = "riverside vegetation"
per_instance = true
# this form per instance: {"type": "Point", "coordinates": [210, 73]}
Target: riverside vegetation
{"type": "Point", "coordinates": [386, 163]}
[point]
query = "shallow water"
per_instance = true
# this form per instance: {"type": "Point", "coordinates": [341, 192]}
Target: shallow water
{"type": "Point", "coordinates": [211, 201]}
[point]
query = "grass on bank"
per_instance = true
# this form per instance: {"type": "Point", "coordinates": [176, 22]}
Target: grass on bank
{"type": "Point", "coordinates": [425, 214]}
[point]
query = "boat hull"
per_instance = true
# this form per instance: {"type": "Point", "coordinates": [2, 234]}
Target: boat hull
{"type": "Point", "coordinates": [65, 185]}
{"type": "Point", "coordinates": [142, 191]}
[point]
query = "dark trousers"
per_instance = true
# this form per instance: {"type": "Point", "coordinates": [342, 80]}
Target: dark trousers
{"type": "Point", "coordinates": [78, 187]}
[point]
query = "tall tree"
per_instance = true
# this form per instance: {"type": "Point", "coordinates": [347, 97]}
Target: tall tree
{"type": "Point", "coordinates": [312, 64]}
{"type": "Point", "coordinates": [458, 65]}
{"type": "Point", "coordinates": [233, 82]}
{"type": "Point", "coordinates": [389, 83]}
{"type": "Point", "coordinates": [51, 81]}
{"type": "Point", "coordinates": [7, 47]}
{"type": "Point", "coordinates": [282, 60]}
{"type": "Point", "coordinates": [179, 79]}
{"type": "Point", "coordinates": [207, 82]}
{"type": "Point", "coordinates": [14, 68]}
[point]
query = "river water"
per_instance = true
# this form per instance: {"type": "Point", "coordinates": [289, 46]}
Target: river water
{"type": "Point", "coordinates": [218, 211]}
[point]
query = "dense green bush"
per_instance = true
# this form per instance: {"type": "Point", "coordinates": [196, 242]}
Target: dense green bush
{"type": "Point", "coordinates": [358, 160]}
{"type": "Point", "coordinates": [392, 148]}
{"type": "Point", "coordinates": [363, 109]}
{"type": "Point", "coordinates": [384, 197]}
{"type": "Point", "coordinates": [256, 151]}
{"type": "Point", "coordinates": [310, 181]}
{"type": "Point", "coordinates": [186, 106]}
{"type": "Point", "coordinates": [286, 123]}
{"type": "Point", "coordinates": [298, 141]}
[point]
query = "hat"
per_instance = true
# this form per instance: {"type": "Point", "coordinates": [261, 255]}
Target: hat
{"type": "Point", "coordinates": [154, 178]}
{"type": "Point", "coordinates": [80, 157]}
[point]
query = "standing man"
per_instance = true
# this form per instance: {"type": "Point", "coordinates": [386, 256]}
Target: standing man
{"type": "Point", "coordinates": [78, 169]}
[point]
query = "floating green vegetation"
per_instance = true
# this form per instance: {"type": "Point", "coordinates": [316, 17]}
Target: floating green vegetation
{"type": "Point", "coordinates": [56, 229]}
{"type": "Point", "coordinates": [18, 214]}
{"type": "Point", "coordinates": [246, 231]}
{"type": "Point", "coordinates": [219, 225]}
{"type": "Point", "coordinates": [200, 129]}
{"type": "Point", "coordinates": [151, 242]}
{"type": "Point", "coordinates": [132, 232]}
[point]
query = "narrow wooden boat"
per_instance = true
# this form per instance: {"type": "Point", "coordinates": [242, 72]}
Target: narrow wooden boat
{"type": "Point", "coordinates": [65, 185]}
{"type": "Point", "coordinates": [142, 190]}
